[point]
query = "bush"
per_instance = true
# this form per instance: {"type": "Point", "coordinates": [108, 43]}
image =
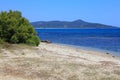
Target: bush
{"type": "Point", "coordinates": [37, 41]}
{"type": "Point", "coordinates": [16, 29]}
{"type": "Point", "coordinates": [34, 41]}
{"type": "Point", "coordinates": [30, 42]}
{"type": "Point", "coordinates": [1, 41]}
{"type": "Point", "coordinates": [14, 39]}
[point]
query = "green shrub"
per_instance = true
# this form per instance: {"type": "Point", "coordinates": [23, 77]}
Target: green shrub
{"type": "Point", "coordinates": [1, 41]}
{"type": "Point", "coordinates": [16, 29]}
{"type": "Point", "coordinates": [37, 40]}
{"type": "Point", "coordinates": [33, 40]}
{"type": "Point", "coordinates": [30, 42]}
{"type": "Point", "coordinates": [14, 39]}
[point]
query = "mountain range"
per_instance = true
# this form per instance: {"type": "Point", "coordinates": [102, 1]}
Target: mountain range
{"type": "Point", "coordinates": [69, 24]}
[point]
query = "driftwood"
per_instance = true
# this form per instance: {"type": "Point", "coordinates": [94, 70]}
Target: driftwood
{"type": "Point", "coordinates": [46, 41]}
{"type": "Point", "coordinates": [107, 53]}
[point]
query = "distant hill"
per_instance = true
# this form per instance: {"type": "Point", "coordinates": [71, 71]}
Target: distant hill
{"type": "Point", "coordinates": [68, 24]}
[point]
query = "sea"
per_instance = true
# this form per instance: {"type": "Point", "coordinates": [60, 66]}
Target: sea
{"type": "Point", "coordinates": [107, 40]}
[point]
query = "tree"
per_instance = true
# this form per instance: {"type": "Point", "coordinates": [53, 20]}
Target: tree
{"type": "Point", "coordinates": [16, 29]}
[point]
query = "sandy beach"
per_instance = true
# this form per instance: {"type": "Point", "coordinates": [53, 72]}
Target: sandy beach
{"type": "Point", "coordinates": [56, 62]}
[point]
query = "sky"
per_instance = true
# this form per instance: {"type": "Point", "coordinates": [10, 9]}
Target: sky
{"type": "Point", "coordinates": [96, 11]}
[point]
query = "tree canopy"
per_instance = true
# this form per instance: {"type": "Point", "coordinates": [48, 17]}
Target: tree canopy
{"type": "Point", "coordinates": [16, 29]}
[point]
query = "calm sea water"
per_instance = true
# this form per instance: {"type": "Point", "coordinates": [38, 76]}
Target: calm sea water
{"type": "Point", "coordinates": [105, 39]}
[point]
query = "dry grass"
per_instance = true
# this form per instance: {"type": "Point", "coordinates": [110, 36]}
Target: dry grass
{"type": "Point", "coordinates": [36, 69]}
{"type": "Point", "coordinates": [16, 65]}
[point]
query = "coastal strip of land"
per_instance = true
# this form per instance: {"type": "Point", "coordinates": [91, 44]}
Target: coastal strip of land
{"type": "Point", "coordinates": [51, 61]}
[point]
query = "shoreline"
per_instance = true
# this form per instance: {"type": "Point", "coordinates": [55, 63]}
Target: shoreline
{"type": "Point", "coordinates": [102, 51]}
{"type": "Point", "coordinates": [78, 50]}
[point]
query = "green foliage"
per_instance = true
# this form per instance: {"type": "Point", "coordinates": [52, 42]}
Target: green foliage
{"type": "Point", "coordinates": [35, 39]}
{"type": "Point", "coordinates": [1, 41]}
{"type": "Point", "coordinates": [16, 29]}
{"type": "Point", "coordinates": [14, 39]}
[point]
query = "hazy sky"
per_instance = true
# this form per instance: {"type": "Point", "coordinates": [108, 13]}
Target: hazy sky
{"type": "Point", "coordinates": [98, 11]}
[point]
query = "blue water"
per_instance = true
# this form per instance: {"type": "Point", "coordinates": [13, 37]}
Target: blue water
{"type": "Point", "coordinates": [105, 39]}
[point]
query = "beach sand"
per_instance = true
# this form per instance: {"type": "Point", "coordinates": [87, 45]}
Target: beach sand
{"type": "Point", "coordinates": [56, 62]}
